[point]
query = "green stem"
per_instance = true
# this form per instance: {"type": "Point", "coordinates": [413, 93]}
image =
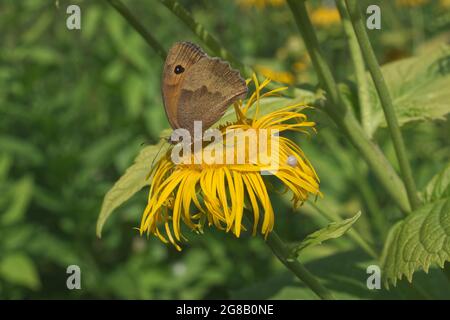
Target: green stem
{"type": "Point", "coordinates": [386, 102]}
{"type": "Point", "coordinates": [123, 10]}
{"type": "Point", "coordinates": [341, 114]}
{"type": "Point", "coordinates": [282, 252]}
{"type": "Point", "coordinates": [326, 78]}
{"type": "Point", "coordinates": [390, 12]}
{"type": "Point", "coordinates": [417, 26]}
{"type": "Point", "coordinates": [358, 65]}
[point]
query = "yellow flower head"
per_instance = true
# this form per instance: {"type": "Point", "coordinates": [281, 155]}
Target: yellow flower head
{"type": "Point", "coordinates": [445, 3]}
{"type": "Point", "coordinates": [204, 192]}
{"type": "Point", "coordinates": [325, 16]}
{"type": "Point", "coordinates": [260, 4]}
{"type": "Point", "coordinates": [411, 3]}
{"type": "Point", "coordinates": [279, 76]}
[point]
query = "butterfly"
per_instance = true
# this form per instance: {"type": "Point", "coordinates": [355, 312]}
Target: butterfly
{"type": "Point", "coordinates": [196, 87]}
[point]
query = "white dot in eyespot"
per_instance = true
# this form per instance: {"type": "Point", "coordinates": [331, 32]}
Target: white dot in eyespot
{"type": "Point", "coordinates": [292, 161]}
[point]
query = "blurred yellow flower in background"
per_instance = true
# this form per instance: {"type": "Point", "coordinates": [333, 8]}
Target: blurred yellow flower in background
{"type": "Point", "coordinates": [302, 63]}
{"type": "Point", "coordinates": [278, 76]}
{"type": "Point", "coordinates": [260, 4]}
{"type": "Point", "coordinates": [445, 3]}
{"type": "Point", "coordinates": [325, 16]}
{"type": "Point", "coordinates": [217, 194]}
{"type": "Point", "coordinates": [411, 3]}
{"type": "Point", "coordinates": [300, 66]}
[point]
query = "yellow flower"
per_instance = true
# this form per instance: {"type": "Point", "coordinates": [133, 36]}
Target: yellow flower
{"type": "Point", "coordinates": [216, 194]}
{"type": "Point", "coordinates": [279, 76]}
{"type": "Point", "coordinates": [445, 3]}
{"type": "Point", "coordinates": [260, 4]}
{"type": "Point", "coordinates": [325, 16]}
{"type": "Point", "coordinates": [411, 3]}
{"type": "Point", "coordinates": [300, 66]}
{"type": "Point", "coordinates": [302, 63]}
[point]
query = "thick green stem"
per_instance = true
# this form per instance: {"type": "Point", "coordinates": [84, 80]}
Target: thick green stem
{"type": "Point", "coordinates": [282, 252]}
{"type": "Point", "coordinates": [123, 10]}
{"type": "Point", "coordinates": [343, 117]}
{"type": "Point", "coordinates": [358, 65]}
{"type": "Point", "coordinates": [386, 101]}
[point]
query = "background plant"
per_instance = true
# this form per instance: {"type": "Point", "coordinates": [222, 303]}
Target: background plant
{"type": "Point", "coordinates": [77, 105]}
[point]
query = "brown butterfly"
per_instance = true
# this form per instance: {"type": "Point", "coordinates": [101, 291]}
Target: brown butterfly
{"type": "Point", "coordinates": [196, 87]}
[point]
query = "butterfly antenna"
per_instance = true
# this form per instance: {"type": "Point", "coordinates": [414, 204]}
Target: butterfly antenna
{"type": "Point", "coordinates": [157, 154]}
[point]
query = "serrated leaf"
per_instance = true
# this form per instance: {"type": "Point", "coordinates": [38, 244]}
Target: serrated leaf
{"type": "Point", "coordinates": [421, 239]}
{"type": "Point", "coordinates": [332, 231]}
{"type": "Point", "coordinates": [19, 269]}
{"type": "Point", "coordinates": [134, 179]}
{"type": "Point", "coordinates": [439, 186]}
{"type": "Point", "coordinates": [418, 88]}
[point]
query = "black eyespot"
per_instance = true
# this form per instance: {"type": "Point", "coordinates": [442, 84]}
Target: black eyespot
{"type": "Point", "coordinates": [179, 69]}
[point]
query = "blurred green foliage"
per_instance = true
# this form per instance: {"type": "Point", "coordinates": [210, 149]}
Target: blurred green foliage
{"type": "Point", "coordinates": [77, 105]}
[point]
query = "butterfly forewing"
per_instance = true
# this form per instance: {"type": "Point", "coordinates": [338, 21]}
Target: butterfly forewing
{"type": "Point", "coordinates": [180, 58]}
{"type": "Point", "coordinates": [210, 87]}
{"type": "Point", "coordinates": [202, 90]}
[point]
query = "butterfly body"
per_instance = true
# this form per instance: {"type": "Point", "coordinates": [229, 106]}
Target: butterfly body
{"type": "Point", "coordinates": [196, 87]}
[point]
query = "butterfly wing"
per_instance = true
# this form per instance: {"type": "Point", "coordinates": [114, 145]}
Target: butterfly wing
{"type": "Point", "coordinates": [210, 86]}
{"type": "Point", "coordinates": [180, 58]}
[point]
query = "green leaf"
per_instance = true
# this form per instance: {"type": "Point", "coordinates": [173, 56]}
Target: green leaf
{"type": "Point", "coordinates": [332, 231]}
{"type": "Point", "coordinates": [134, 90]}
{"type": "Point", "coordinates": [21, 148]}
{"type": "Point", "coordinates": [48, 247]}
{"type": "Point", "coordinates": [91, 22]}
{"type": "Point", "coordinates": [5, 165]}
{"type": "Point", "coordinates": [99, 152]}
{"type": "Point", "coordinates": [439, 186]}
{"type": "Point", "coordinates": [134, 179]}
{"type": "Point", "coordinates": [19, 269]}
{"type": "Point", "coordinates": [21, 193]}
{"type": "Point", "coordinates": [421, 239]}
{"type": "Point", "coordinates": [40, 26]}
{"type": "Point", "coordinates": [418, 87]}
